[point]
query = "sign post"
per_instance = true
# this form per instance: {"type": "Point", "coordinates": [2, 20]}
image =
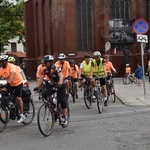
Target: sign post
{"type": "Point", "coordinates": [141, 26]}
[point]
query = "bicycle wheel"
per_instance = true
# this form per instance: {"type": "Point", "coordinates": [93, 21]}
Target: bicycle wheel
{"type": "Point", "coordinates": [87, 98]}
{"type": "Point", "coordinates": [125, 80]}
{"type": "Point", "coordinates": [29, 111]}
{"type": "Point", "coordinates": [135, 80]}
{"type": "Point", "coordinates": [4, 117]}
{"type": "Point", "coordinates": [100, 102]}
{"type": "Point", "coordinates": [112, 94]}
{"type": "Point", "coordinates": [45, 120]}
{"type": "Point", "coordinates": [73, 93]}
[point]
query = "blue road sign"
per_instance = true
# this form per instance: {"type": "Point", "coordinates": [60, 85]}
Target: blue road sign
{"type": "Point", "coordinates": [140, 26]}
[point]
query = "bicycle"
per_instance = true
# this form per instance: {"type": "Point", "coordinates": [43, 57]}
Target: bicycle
{"type": "Point", "coordinates": [129, 78]}
{"type": "Point", "coordinates": [87, 92]}
{"type": "Point", "coordinates": [72, 90]}
{"type": "Point", "coordinates": [99, 95]}
{"type": "Point", "coordinates": [9, 108]}
{"type": "Point", "coordinates": [49, 112]}
{"type": "Point", "coordinates": [110, 89]}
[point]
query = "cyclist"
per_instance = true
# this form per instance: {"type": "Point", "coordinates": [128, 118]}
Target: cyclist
{"type": "Point", "coordinates": [55, 75]}
{"type": "Point", "coordinates": [109, 67]}
{"type": "Point", "coordinates": [85, 68]}
{"type": "Point", "coordinates": [98, 69]}
{"type": "Point", "coordinates": [128, 69]}
{"type": "Point", "coordinates": [74, 74]}
{"type": "Point", "coordinates": [12, 60]}
{"type": "Point", "coordinates": [66, 71]}
{"type": "Point", "coordinates": [40, 69]}
{"type": "Point", "coordinates": [12, 75]}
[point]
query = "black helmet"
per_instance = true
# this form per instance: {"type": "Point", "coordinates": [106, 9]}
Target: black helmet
{"type": "Point", "coordinates": [71, 62]}
{"type": "Point", "coordinates": [87, 56]}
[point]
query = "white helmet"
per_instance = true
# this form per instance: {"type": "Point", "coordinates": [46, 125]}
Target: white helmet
{"type": "Point", "coordinates": [127, 64]}
{"type": "Point", "coordinates": [97, 53]}
{"type": "Point", "coordinates": [61, 56]}
{"type": "Point", "coordinates": [3, 57]}
{"type": "Point", "coordinates": [48, 58]}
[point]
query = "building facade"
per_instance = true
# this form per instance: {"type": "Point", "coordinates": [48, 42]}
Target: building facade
{"type": "Point", "coordinates": [77, 27]}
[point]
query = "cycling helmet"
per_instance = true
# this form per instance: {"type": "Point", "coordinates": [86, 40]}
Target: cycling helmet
{"type": "Point", "coordinates": [71, 62]}
{"type": "Point", "coordinates": [48, 58]}
{"type": "Point", "coordinates": [61, 56]}
{"type": "Point", "coordinates": [96, 53]}
{"type": "Point", "coordinates": [106, 56]}
{"type": "Point", "coordinates": [86, 56]}
{"type": "Point", "coordinates": [11, 59]}
{"type": "Point", "coordinates": [3, 57]}
{"type": "Point", "coordinates": [127, 64]}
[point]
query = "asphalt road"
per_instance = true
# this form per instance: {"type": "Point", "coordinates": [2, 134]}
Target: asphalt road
{"type": "Point", "coordinates": [119, 127]}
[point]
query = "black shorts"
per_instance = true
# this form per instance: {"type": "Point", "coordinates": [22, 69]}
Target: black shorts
{"type": "Point", "coordinates": [102, 81]}
{"type": "Point", "coordinates": [17, 90]}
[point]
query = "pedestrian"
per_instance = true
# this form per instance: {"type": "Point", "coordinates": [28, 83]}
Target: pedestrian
{"type": "Point", "coordinates": [139, 73]}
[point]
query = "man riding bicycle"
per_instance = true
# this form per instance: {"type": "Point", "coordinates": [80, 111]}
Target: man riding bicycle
{"type": "Point", "coordinates": [85, 68]}
{"type": "Point", "coordinates": [55, 75]}
{"type": "Point", "coordinates": [66, 71]}
{"type": "Point", "coordinates": [98, 70]}
{"type": "Point", "coordinates": [11, 73]}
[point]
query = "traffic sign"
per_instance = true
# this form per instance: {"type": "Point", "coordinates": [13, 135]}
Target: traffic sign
{"type": "Point", "coordinates": [140, 26]}
{"type": "Point", "coordinates": [142, 38]}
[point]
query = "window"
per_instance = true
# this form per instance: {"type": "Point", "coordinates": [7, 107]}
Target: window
{"type": "Point", "coordinates": [14, 47]}
{"type": "Point", "coordinates": [84, 25]}
{"type": "Point", "coordinates": [119, 9]}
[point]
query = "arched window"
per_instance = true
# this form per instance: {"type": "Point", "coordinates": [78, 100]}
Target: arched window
{"type": "Point", "coordinates": [84, 24]}
{"type": "Point", "coordinates": [120, 9]}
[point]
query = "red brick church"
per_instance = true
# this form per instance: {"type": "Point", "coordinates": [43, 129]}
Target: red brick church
{"type": "Point", "coordinates": [77, 27]}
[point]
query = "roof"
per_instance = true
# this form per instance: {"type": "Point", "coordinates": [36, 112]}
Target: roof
{"type": "Point", "coordinates": [17, 54]}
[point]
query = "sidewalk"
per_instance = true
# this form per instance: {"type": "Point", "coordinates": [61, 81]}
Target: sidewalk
{"type": "Point", "coordinates": [132, 94]}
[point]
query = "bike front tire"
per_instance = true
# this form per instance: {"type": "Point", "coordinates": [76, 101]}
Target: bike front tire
{"type": "Point", "coordinates": [125, 80]}
{"type": "Point", "coordinates": [45, 120]}
{"type": "Point", "coordinates": [4, 118]}
{"type": "Point", "coordinates": [29, 111]}
{"type": "Point", "coordinates": [88, 98]}
{"type": "Point", "coordinates": [100, 101]}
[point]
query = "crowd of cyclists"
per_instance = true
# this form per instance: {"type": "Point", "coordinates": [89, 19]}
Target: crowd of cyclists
{"type": "Point", "coordinates": [90, 67]}
{"type": "Point", "coordinates": [59, 74]}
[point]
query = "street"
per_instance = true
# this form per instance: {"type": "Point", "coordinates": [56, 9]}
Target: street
{"type": "Point", "coordinates": [119, 127]}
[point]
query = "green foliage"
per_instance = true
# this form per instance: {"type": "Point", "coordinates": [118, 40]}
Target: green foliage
{"type": "Point", "coordinates": [11, 21]}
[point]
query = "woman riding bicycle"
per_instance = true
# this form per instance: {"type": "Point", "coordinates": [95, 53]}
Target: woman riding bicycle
{"type": "Point", "coordinates": [56, 78]}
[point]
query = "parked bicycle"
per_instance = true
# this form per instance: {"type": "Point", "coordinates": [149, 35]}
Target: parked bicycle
{"type": "Point", "coordinates": [49, 112]}
{"type": "Point", "coordinates": [110, 89]}
{"type": "Point", "coordinates": [129, 78]}
{"type": "Point", "coordinates": [99, 95]}
{"type": "Point", "coordinates": [9, 107]}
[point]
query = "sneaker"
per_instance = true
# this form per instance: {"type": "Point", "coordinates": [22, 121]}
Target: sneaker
{"type": "Point", "coordinates": [76, 96]}
{"type": "Point", "coordinates": [22, 118]}
{"type": "Point", "coordinates": [40, 98]}
{"type": "Point", "coordinates": [93, 98]}
{"type": "Point", "coordinates": [63, 122]}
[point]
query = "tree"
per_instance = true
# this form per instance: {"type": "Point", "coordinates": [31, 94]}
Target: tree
{"type": "Point", "coordinates": [11, 22]}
